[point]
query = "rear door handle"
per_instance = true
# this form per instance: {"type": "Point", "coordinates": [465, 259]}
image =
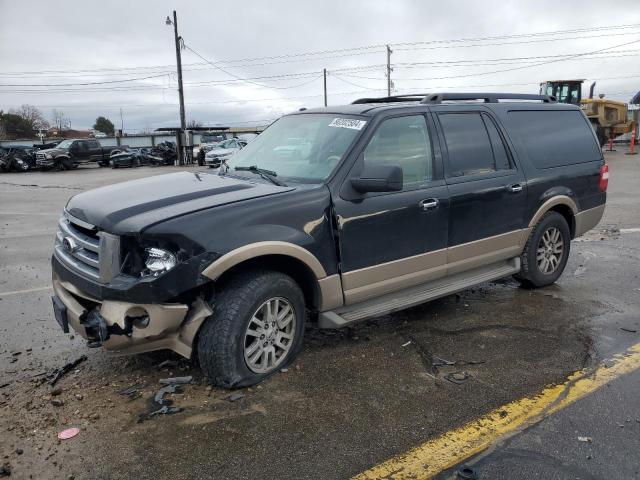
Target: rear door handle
{"type": "Point", "coordinates": [515, 188]}
{"type": "Point", "coordinates": [429, 204]}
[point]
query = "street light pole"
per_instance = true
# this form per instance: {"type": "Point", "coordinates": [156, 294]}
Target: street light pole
{"type": "Point", "coordinates": [183, 121]}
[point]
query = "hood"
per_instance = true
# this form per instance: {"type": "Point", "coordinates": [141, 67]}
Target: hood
{"type": "Point", "coordinates": [53, 151]}
{"type": "Point", "coordinates": [221, 151]}
{"type": "Point", "coordinates": [132, 206]}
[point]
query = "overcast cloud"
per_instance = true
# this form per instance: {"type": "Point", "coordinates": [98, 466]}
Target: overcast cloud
{"type": "Point", "coordinates": [70, 36]}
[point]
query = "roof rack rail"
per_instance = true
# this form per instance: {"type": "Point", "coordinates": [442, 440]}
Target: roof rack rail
{"type": "Point", "coordinates": [444, 97]}
{"type": "Point", "coordinates": [414, 97]}
{"type": "Point", "coordinates": [486, 97]}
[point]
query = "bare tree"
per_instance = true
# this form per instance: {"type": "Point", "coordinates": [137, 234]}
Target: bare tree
{"type": "Point", "coordinates": [194, 124]}
{"type": "Point", "coordinates": [34, 116]}
{"type": "Point", "coordinates": [60, 121]}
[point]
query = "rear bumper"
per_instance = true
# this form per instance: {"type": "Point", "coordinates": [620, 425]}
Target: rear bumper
{"type": "Point", "coordinates": [132, 327]}
{"type": "Point", "coordinates": [587, 219]}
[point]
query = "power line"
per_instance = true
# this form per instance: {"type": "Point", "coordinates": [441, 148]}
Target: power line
{"type": "Point", "coordinates": [80, 84]}
{"type": "Point", "coordinates": [246, 80]}
{"type": "Point", "coordinates": [363, 49]}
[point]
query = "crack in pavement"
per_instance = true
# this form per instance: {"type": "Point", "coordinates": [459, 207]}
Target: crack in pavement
{"type": "Point", "coordinates": [39, 186]}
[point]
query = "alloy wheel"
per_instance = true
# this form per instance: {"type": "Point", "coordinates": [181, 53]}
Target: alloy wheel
{"type": "Point", "coordinates": [550, 250]}
{"type": "Point", "coordinates": [269, 335]}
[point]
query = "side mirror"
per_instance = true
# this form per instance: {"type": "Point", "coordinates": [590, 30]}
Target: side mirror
{"type": "Point", "coordinates": [379, 178]}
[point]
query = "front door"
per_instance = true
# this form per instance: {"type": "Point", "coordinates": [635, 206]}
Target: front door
{"type": "Point", "coordinates": [488, 192]}
{"type": "Point", "coordinates": [393, 240]}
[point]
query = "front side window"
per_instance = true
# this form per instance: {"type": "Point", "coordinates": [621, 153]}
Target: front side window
{"type": "Point", "coordinates": [300, 148]}
{"type": "Point", "coordinates": [402, 141]}
{"type": "Point", "coordinates": [473, 144]}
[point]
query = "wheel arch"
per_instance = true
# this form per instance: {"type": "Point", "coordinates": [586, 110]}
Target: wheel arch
{"type": "Point", "coordinates": [320, 291]}
{"type": "Point", "coordinates": [562, 204]}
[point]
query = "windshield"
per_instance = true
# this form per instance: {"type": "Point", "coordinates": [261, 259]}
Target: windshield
{"type": "Point", "coordinates": [227, 144]}
{"type": "Point", "coordinates": [65, 144]}
{"type": "Point", "coordinates": [304, 148]}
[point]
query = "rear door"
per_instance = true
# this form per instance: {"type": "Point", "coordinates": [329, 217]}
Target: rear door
{"type": "Point", "coordinates": [95, 151]}
{"type": "Point", "coordinates": [487, 191]}
{"type": "Point", "coordinates": [393, 240]}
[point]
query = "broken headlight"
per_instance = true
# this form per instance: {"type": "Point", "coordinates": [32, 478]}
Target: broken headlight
{"type": "Point", "coordinates": [158, 261]}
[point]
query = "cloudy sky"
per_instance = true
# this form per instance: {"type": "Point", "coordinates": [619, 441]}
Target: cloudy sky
{"type": "Point", "coordinates": [266, 57]}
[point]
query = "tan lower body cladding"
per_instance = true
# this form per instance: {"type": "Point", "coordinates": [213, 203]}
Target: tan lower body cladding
{"type": "Point", "coordinates": [388, 277]}
{"type": "Point", "coordinates": [170, 326]}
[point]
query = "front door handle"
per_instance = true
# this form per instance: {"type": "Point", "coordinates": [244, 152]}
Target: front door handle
{"type": "Point", "coordinates": [515, 188]}
{"type": "Point", "coordinates": [429, 204]}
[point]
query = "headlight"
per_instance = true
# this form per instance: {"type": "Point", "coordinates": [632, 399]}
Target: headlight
{"type": "Point", "coordinates": [158, 261]}
{"type": "Point", "coordinates": [48, 155]}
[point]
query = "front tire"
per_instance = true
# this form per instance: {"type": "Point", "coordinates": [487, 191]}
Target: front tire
{"type": "Point", "coordinates": [257, 328]}
{"type": "Point", "coordinates": [546, 252]}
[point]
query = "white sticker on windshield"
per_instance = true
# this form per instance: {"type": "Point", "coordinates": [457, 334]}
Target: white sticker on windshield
{"type": "Point", "coordinates": [348, 123]}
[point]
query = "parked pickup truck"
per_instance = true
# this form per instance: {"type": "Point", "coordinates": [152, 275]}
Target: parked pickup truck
{"type": "Point", "coordinates": [70, 153]}
{"type": "Point", "coordinates": [392, 202]}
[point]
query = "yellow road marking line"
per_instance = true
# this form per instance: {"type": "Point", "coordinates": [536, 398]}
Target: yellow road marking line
{"type": "Point", "coordinates": [453, 447]}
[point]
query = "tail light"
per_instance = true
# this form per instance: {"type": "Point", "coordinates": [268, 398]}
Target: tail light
{"type": "Point", "coordinates": [604, 178]}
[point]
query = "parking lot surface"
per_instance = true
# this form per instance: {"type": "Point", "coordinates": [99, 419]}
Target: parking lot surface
{"type": "Point", "coordinates": [355, 398]}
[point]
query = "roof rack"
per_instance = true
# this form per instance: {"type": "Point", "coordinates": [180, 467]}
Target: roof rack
{"type": "Point", "coordinates": [486, 97]}
{"type": "Point", "coordinates": [414, 97]}
{"type": "Point", "coordinates": [444, 97]}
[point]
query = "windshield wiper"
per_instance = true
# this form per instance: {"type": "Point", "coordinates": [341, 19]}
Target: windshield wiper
{"type": "Point", "coordinates": [266, 174]}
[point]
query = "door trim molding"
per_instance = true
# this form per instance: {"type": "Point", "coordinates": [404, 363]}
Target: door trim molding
{"type": "Point", "coordinates": [391, 276]}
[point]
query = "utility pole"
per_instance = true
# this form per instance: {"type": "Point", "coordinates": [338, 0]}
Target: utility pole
{"type": "Point", "coordinates": [121, 121]}
{"type": "Point", "coordinates": [325, 86]}
{"type": "Point", "coordinates": [389, 52]}
{"type": "Point", "coordinates": [183, 122]}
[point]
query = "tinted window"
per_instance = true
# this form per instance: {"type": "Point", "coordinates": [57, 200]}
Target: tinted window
{"type": "Point", "coordinates": [499, 150]}
{"type": "Point", "coordinates": [402, 141]}
{"type": "Point", "coordinates": [554, 138]}
{"type": "Point", "coordinates": [94, 144]}
{"type": "Point", "coordinates": [468, 144]}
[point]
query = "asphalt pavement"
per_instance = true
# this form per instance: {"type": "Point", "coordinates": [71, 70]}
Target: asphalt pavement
{"type": "Point", "coordinates": [354, 398]}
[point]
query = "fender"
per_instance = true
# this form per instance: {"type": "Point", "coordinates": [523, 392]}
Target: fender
{"type": "Point", "coordinates": [553, 202]}
{"type": "Point", "coordinates": [329, 287]}
{"type": "Point", "coordinates": [260, 249]}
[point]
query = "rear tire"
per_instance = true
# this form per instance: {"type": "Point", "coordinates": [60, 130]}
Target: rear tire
{"type": "Point", "coordinates": [546, 252]}
{"type": "Point", "coordinates": [257, 328]}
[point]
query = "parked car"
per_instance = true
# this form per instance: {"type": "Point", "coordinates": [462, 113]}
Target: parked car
{"type": "Point", "coordinates": [17, 159]}
{"type": "Point", "coordinates": [398, 201]}
{"type": "Point", "coordinates": [164, 153]}
{"type": "Point", "coordinates": [132, 157]}
{"type": "Point", "coordinates": [70, 153]}
{"type": "Point", "coordinates": [223, 151]}
{"type": "Point", "coordinates": [99, 135]}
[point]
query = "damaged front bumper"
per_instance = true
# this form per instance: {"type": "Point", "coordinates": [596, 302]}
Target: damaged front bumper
{"type": "Point", "coordinates": [127, 327]}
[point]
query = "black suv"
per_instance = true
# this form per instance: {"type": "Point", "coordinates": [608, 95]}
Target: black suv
{"type": "Point", "coordinates": [331, 215]}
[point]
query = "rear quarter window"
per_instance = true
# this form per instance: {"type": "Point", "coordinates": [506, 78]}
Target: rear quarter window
{"type": "Point", "coordinates": [554, 138]}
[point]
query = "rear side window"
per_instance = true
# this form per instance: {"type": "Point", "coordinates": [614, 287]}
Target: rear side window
{"type": "Point", "coordinates": [473, 143]}
{"type": "Point", "coordinates": [555, 138]}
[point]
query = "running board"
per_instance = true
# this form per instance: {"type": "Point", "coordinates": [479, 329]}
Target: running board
{"type": "Point", "coordinates": [410, 297]}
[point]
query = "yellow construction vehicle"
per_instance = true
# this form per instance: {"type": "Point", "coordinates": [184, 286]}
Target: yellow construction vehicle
{"type": "Point", "coordinates": [609, 118]}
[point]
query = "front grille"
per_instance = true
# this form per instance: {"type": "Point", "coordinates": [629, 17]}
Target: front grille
{"type": "Point", "coordinates": [40, 156]}
{"type": "Point", "coordinates": [83, 248]}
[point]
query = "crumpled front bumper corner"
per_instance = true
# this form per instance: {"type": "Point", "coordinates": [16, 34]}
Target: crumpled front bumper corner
{"type": "Point", "coordinates": [170, 325]}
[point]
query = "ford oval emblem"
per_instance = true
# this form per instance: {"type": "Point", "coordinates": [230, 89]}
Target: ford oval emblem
{"type": "Point", "coordinates": [69, 244]}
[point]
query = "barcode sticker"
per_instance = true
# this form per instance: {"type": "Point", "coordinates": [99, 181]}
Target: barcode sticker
{"type": "Point", "coordinates": [348, 123]}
